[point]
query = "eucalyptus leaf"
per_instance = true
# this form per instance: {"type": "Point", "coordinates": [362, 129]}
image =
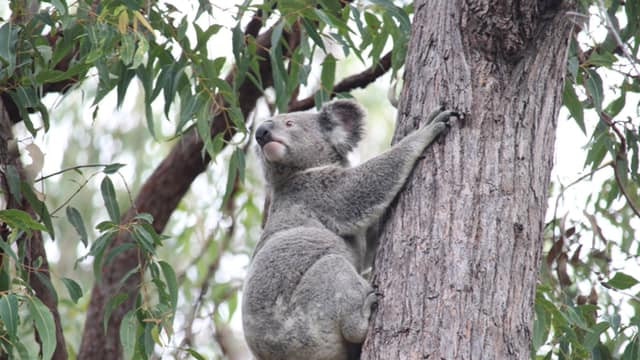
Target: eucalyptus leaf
{"type": "Point", "coordinates": [75, 219]}
{"type": "Point", "coordinates": [110, 201]}
{"type": "Point", "coordinates": [622, 281]}
{"type": "Point", "coordinates": [74, 289]}
{"type": "Point", "coordinates": [128, 334]}
{"type": "Point", "coordinates": [172, 283]}
{"type": "Point", "coordinates": [574, 105]}
{"type": "Point", "coordinates": [9, 315]}
{"type": "Point", "coordinates": [44, 324]}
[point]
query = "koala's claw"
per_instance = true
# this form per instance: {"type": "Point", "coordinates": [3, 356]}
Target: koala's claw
{"type": "Point", "coordinates": [370, 303]}
{"type": "Point", "coordinates": [442, 115]}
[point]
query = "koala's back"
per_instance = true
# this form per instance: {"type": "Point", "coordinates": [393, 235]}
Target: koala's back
{"type": "Point", "coordinates": [300, 286]}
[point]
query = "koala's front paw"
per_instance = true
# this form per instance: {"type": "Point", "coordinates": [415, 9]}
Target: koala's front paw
{"type": "Point", "coordinates": [438, 125]}
{"type": "Point", "coordinates": [443, 116]}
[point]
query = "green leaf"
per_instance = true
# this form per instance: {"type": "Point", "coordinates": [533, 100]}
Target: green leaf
{"type": "Point", "coordinates": [39, 207]}
{"type": "Point", "coordinates": [593, 337]}
{"type": "Point", "coordinates": [44, 278]}
{"type": "Point", "coordinates": [97, 250]}
{"type": "Point", "coordinates": [127, 48]}
{"type": "Point", "coordinates": [146, 217]}
{"type": "Point", "coordinates": [195, 354]}
{"type": "Point", "coordinates": [328, 74]}
{"type": "Point", "coordinates": [9, 315]}
{"type": "Point", "coordinates": [117, 250]}
{"type": "Point", "coordinates": [398, 13]}
{"type": "Point", "coordinates": [8, 40]}
{"type": "Point", "coordinates": [203, 121]}
{"type": "Point", "coordinates": [141, 51]}
{"type": "Point", "coordinates": [379, 41]}
{"type": "Point", "coordinates": [110, 201]}
{"type": "Point", "coordinates": [172, 283]}
{"type": "Point", "coordinates": [313, 33]}
{"type": "Point", "coordinates": [601, 352]}
{"type": "Point", "coordinates": [13, 179]}
{"type": "Point", "coordinates": [130, 273]}
{"type": "Point", "coordinates": [632, 351]}
{"type": "Point", "coordinates": [237, 43]}
{"type": "Point", "coordinates": [574, 318]}
{"type": "Point", "coordinates": [113, 168]}
{"type": "Point", "coordinates": [74, 289]}
{"type": "Point", "coordinates": [124, 76]}
{"type": "Point", "coordinates": [541, 326]}
{"type": "Point", "coordinates": [22, 351]}
{"type": "Point", "coordinates": [128, 334]}
{"type": "Point", "coordinates": [144, 239]}
{"type": "Point", "coordinates": [20, 220]}
{"type": "Point", "coordinates": [61, 6]}
{"type": "Point", "coordinates": [574, 105]}
{"type": "Point", "coordinates": [6, 249]}
{"type": "Point", "coordinates": [277, 67]}
{"type": "Point", "coordinates": [598, 150]}
{"type": "Point", "coordinates": [601, 60]}
{"type": "Point", "coordinates": [622, 281]}
{"type": "Point", "coordinates": [25, 98]}
{"type": "Point", "coordinates": [614, 108]}
{"type": "Point", "coordinates": [232, 303]}
{"type": "Point", "coordinates": [74, 217]}
{"type": "Point", "coordinates": [593, 86]}
{"type": "Point", "coordinates": [112, 304]}
{"type": "Point", "coordinates": [236, 168]}
{"type": "Point", "coordinates": [106, 226]}
{"type": "Point", "coordinates": [44, 325]}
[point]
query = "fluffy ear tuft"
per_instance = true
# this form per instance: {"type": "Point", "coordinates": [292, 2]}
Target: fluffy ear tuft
{"type": "Point", "coordinates": [342, 120]}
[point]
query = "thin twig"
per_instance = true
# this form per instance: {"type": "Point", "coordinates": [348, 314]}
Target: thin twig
{"type": "Point", "coordinates": [576, 181]}
{"type": "Point", "coordinates": [621, 156]}
{"type": "Point", "coordinates": [69, 169]}
{"type": "Point", "coordinates": [68, 200]}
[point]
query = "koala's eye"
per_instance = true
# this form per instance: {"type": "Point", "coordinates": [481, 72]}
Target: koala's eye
{"type": "Point", "coordinates": [288, 123]}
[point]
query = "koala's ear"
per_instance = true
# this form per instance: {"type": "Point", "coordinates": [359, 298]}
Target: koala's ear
{"type": "Point", "coordinates": [342, 121]}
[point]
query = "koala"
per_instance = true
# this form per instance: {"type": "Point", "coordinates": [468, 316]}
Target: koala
{"type": "Point", "coordinates": [304, 296]}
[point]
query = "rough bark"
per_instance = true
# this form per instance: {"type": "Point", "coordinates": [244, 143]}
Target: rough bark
{"type": "Point", "coordinates": [35, 252]}
{"type": "Point", "coordinates": [460, 251]}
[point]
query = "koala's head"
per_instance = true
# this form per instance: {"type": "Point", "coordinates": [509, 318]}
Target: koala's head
{"type": "Point", "coordinates": [300, 140]}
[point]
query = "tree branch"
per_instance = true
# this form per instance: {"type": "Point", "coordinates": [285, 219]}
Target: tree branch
{"type": "Point", "coordinates": [35, 259]}
{"type": "Point", "coordinates": [621, 157]}
{"type": "Point", "coordinates": [355, 81]}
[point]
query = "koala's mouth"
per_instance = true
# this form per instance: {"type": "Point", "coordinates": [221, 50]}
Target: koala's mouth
{"type": "Point", "coordinates": [271, 141]}
{"type": "Point", "coordinates": [274, 151]}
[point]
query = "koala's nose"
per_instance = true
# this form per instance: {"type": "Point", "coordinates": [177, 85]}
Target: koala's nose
{"type": "Point", "coordinates": [263, 133]}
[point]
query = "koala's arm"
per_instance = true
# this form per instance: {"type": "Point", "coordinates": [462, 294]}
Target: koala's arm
{"type": "Point", "coordinates": [361, 194]}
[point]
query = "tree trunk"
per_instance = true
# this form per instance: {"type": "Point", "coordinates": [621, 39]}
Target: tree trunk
{"type": "Point", "coordinates": [459, 254]}
{"type": "Point", "coordinates": [35, 259]}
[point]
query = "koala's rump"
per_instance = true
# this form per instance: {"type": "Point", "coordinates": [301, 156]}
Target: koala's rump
{"type": "Point", "coordinates": [298, 287]}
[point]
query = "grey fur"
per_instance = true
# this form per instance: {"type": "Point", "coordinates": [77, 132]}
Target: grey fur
{"type": "Point", "coordinates": [304, 297]}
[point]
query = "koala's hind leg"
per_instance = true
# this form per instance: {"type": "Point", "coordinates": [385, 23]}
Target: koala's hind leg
{"type": "Point", "coordinates": [356, 323]}
{"type": "Point", "coordinates": [334, 283]}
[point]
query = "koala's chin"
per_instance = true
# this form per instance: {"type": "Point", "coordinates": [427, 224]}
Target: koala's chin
{"type": "Point", "coordinates": [274, 151]}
